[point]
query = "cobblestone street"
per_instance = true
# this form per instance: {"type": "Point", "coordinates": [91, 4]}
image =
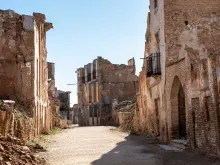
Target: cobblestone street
{"type": "Point", "coordinates": [104, 146]}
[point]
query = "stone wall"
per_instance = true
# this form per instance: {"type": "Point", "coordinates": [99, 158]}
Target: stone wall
{"type": "Point", "coordinates": [41, 71]}
{"type": "Point", "coordinates": [64, 98]}
{"type": "Point", "coordinates": [108, 82]}
{"type": "Point", "coordinates": [14, 122]}
{"type": "Point", "coordinates": [17, 57]}
{"type": "Point", "coordinates": [151, 117]}
{"type": "Point", "coordinates": [52, 91]}
{"type": "Point", "coordinates": [184, 101]}
{"type": "Point", "coordinates": [192, 44]}
{"type": "Point", "coordinates": [23, 68]}
{"type": "Point", "coordinates": [56, 118]}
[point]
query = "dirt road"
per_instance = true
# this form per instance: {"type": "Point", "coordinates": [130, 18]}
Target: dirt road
{"type": "Point", "coordinates": [103, 146]}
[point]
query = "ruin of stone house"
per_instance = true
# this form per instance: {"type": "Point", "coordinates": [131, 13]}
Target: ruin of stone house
{"type": "Point", "coordinates": [52, 90]}
{"type": "Point", "coordinates": [65, 110]}
{"type": "Point", "coordinates": [75, 114]}
{"type": "Point", "coordinates": [23, 64]}
{"type": "Point", "coordinates": [180, 79]}
{"type": "Point", "coordinates": [99, 83]}
{"type": "Point", "coordinates": [54, 103]}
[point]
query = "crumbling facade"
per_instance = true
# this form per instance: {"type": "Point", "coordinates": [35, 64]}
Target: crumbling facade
{"type": "Point", "coordinates": [180, 79]}
{"type": "Point", "coordinates": [54, 102]}
{"type": "Point", "coordinates": [23, 64]}
{"type": "Point", "coordinates": [99, 83]}
{"type": "Point", "coordinates": [75, 111]}
{"type": "Point", "coordinates": [65, 110]}
{"type": "Point", "coordinates": [52, 90]}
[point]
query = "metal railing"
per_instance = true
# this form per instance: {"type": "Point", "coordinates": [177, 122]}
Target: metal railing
{"type": "Point", "coordinates": [153, 64]}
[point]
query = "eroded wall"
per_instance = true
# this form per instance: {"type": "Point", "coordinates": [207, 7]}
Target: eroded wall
{"type": "Point", "coordinates": [192, 46]}
{"type": "Point", "coordinates": [151, 116]}
{"type": "Point", "coordinates": [107, 82]}
{"type": "Point", "coordinates": [23, 64]}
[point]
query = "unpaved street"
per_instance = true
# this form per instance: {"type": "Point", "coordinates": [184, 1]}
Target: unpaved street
{"type": "Point", "coordinates": [103, 146]}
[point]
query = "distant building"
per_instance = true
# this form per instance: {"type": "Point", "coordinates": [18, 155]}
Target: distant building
{"type": "Point", "coordinates": [52, 90]}
{"type": "Point", "coordinates": [99, 83]}
{"type": "Point", "coordinates": [65, 110]}
{"type": "Point", "coordinates": [75, 112]}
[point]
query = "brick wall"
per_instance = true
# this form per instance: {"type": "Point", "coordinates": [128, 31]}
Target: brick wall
{"type": "Point", "coordinates": [192, 45]}
{"type": "Point", "coordinates": [189, 45]}
{"type": "Point", "coordinates": [112, 82]}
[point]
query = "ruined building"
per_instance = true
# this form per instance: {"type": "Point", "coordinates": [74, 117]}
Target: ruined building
{"type": "Point", "coordinates": [52, 90]}
{"type": "Point", "coordinates": [75, 111]}
{"type": "Point", "coordinates": [54, 102]}
{"type": "Point", "coordinates": [23, 64]}
{"type": "Point", "coordinates": [99, 83]}
{"type": "Point", "coordinates": [180, 80]}
{"type": "Point", "coordinates": [65, 110]}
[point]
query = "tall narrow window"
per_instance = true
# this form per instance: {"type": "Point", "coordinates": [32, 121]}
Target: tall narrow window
{"type": "Point", "coordinates": [155, 4]}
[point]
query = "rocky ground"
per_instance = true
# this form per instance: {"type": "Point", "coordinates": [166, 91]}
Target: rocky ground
{"type": "Point", "coordinates": [14, 151]}
{"type": "Point", "coordinates": [106, 146]}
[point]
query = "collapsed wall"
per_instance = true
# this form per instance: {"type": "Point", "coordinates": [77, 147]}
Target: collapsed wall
{"type": "Point", "coordinates": [123, 115]}
{"type": "Point", "coordinates": [57, 120]}
{"type": "Point", "coordinates": [13, 122]}
{"type": "Point", "coordinates": [99, 83]}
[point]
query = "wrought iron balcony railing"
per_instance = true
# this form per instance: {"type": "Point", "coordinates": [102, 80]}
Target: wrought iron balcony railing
{"type": "Point", "coordinates": [153, 64]}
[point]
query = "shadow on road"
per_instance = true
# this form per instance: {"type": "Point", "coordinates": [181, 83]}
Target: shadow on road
{"type": "Point", "coordinates": [139, 150]}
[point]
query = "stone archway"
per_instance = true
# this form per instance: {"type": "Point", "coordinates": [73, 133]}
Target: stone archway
{"type": "Point", "coordinates": [178, 110]}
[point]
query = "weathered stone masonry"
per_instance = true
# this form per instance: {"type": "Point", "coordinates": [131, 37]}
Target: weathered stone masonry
{"type": "Point", "coordinates": [192, 31]}
{"type": "Point", "coordinates": [65, 110]}
{"type": "Point", "coordinates": [99, 83]}
{"type": "Point", "coordinates": [23, 64]}
{"type": "Point", "coordinates": [187, 36]}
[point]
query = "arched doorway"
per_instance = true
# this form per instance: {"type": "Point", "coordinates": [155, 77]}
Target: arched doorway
{"type": "Point", "coordinates": [178, 110]}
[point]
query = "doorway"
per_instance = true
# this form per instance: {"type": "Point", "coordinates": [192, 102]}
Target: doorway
{"type": "Point", "coordinates": [178, 110]}
{"type": "Point", "coordinates": [182, 113]}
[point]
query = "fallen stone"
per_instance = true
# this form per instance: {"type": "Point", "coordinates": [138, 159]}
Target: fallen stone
{"type": "Point", "coordinates": [13, 151]}
{"type": "Point", "coordinates": [25, 148]}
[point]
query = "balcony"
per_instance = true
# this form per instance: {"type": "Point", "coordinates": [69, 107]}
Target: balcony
{"type": "Point", "coordinates": [153, 65]}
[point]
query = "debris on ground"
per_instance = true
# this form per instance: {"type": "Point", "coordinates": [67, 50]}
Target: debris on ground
{"type": "Point", "coordinates": [125, 106]}
{"type": "Point", "coordinates": [123, 114]}
{"type": "Point", "coordinates": [14, 151]}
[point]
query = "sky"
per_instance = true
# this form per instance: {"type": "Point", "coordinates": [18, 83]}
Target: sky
{"type": "Point", "coordinates": [85, 29]}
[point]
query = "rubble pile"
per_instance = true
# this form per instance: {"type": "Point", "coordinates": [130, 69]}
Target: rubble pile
{"type": "Point", "coordinates": [14, 122]}
{"type": "Point", "coordinates": [14, 151]}
{"type": "Point", "coordinates": [127, 124]}
{"type": "Point", "coordinates": [57, 120]}
{"type": "Point", "coordinates": [125, 106]}
{"type": "Point", "coordinates": [123, 114]}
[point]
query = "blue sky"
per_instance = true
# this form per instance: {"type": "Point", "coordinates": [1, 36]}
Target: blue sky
{"type": "Point", "coordinates": [85, 29]}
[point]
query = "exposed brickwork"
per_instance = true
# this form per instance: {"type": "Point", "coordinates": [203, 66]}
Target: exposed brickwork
{"type": "Point", "coordinates": [188, 40]}
{"type": "Point", "coordinates": [23, 65]}
{"type": "Point", "coordinates": [97, 91]}
{"type": "Point", "coordinates": [64, 98]}
{"type": "Point", "coordinates": [194, 35]}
